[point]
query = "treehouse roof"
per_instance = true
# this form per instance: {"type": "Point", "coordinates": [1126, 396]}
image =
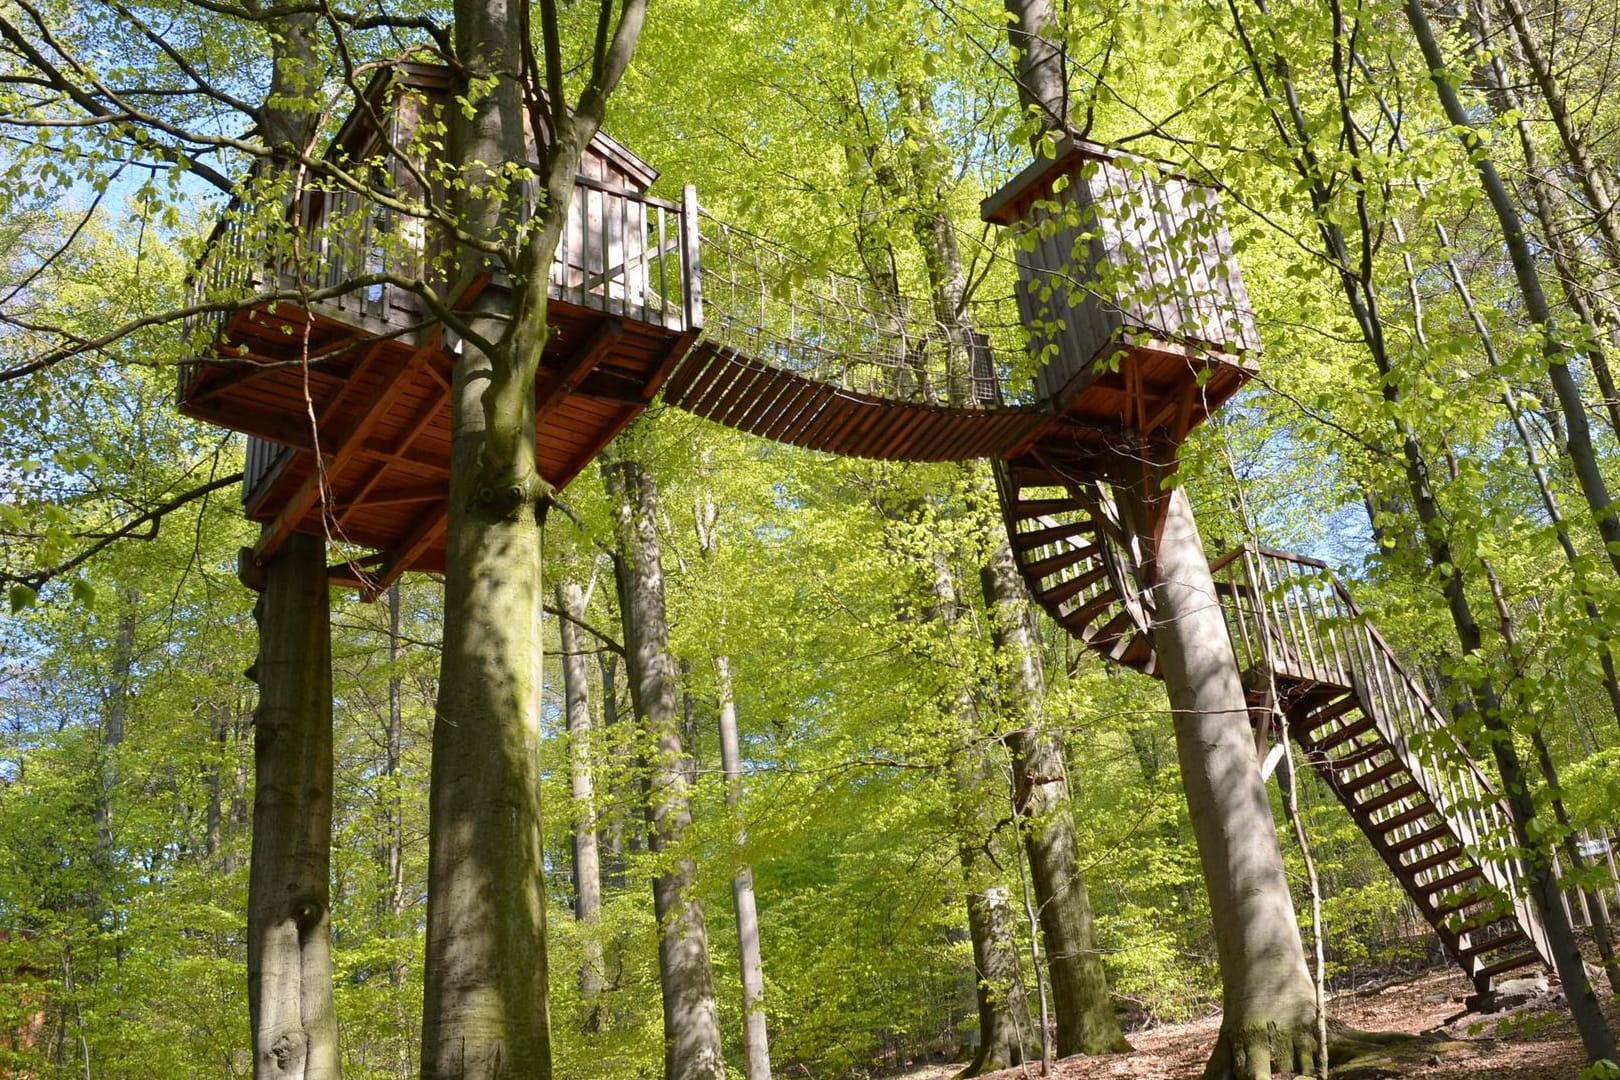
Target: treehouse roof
{"type": "Point", "coordinates": [434, 82]}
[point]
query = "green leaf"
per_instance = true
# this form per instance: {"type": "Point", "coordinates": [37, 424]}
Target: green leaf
{"type": "Point", "coordinates": [21, 596]}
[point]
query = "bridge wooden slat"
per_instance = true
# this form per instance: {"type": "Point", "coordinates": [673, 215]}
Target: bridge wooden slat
{"type": "Point", "coordinates": [786, 395]}
{"type": "Point", "coordinates": [806, 405]}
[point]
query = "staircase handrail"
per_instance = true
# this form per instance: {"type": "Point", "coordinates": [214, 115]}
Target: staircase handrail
{"type": "Point", "coordinates": [1344, 647]}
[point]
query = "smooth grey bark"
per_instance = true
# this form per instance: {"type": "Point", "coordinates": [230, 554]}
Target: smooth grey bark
{"type": "Point", "coordinates": [1268, 1004]}
{"type": "Point", "coordinates": [756, 1039]}
{"type": "Point", "coordinates": [998, 984]}
{"type": "Point", "coordinates": [393, 899]}
{"type": "Point", "coordinates": [692, 1044]}
{"type": "Point", "coordinates": [1042, 85]}
{"type": "Point", "coordinates": [293, 1018]}
{"type": "Point", "coordinates": [1081, 1004]}
{"type": "Point", "coordinates": [582, 786]}
{"type": "Point", "coordinates": [114, 719]}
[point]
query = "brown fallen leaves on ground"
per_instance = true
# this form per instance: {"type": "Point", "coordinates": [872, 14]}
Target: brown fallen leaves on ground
{"type": "Point", "coordinates": [1525, 1044]}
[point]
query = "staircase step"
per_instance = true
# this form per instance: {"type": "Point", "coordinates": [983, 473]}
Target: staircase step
{"type": "Point", "coordinates": [1357, 756]}
{"type": "Point", "coordinates": [1070, 587]}
{"type": "Point", "coordinates": [1067, 557]}
{"type": "Point", "coordinates": [1390, 797]}
{"type": "Point", "coordinates": [1405, 817]}
{"type": "Point", "coordinates": [1361, 783]}
{"type": "Point", "coordinates": [1344, 734]}
{"type": "Point", "coordinates": [1461, 901]}
{"type": "Point", "coordinates": [1112, 632]}
{"type": "Point", "coordinates": [1063, 530]}
{"type": "Point", "coordinates": [1417, 840]}
{"type": "Point", "coordinates": [1481, 919]}
{"type": "Point", "coordinates": [1081, 617]}
{"type": "Point", "coordinates": [1451, 881]}
{"type": "Point", "coordinates": [1025, 509]}
{"type": "Point", "coordinates": [1515, 936]}
{"type": "Point", "coordinates": [1140, 656]}
{"type": "Point", "coordinates": [1429, 862]}
{"type": "Point", "coordinates": [1518, 960]}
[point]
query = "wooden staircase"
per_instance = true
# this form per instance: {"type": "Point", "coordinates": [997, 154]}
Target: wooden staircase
{"type": "Point", "coordinates": [1313, 665]}
{"type": "Point", "coordinates": [1077, 559]}
{"type": "Point", "coordinates": [1312, 661]}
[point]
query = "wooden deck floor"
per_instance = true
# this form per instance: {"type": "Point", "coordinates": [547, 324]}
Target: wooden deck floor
{"type": "Point", "coordinates": [375, 414]}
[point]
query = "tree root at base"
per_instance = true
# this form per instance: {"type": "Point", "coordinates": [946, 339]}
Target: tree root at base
{"type": "Point", "coordinates": [1258, 1051]}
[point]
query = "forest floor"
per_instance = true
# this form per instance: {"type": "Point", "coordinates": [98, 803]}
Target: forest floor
{"type": "Point", "coordinates": [1534, 1042]}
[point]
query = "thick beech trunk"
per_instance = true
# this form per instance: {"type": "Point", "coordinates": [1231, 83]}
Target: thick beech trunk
{"type": "Point", "coordinates": [998, 985]}
{"type": "Point", "coordinates": [1269, 1006]}
{"type": "Point", "coordinates": [1081, 1005]}
{"type": "Point", "coordinates": [485, 1011]}
{"type": "Point", "coordinates": [581, 743]}
{"type": "Point", "coordinates": [293, 1019]}
{"type": "Point", "coordinates": [1005, 1036]}
{"type": "Point", "coordinates": [692, 1046]}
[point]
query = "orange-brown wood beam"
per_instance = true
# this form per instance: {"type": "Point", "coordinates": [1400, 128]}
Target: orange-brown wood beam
{"type": "Point", "coordinates": [326, 472]}
{"type": "Point", "coordinates": [424, 536]}
{"type": "Point", "coordinates": [592, 351]}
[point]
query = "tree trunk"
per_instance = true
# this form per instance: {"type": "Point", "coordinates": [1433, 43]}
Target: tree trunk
{"type": "Point", "coordinates": [1003, 1005]}
{"type": "Point", "coordinates": [114, 718]}
{"type": "Point", "coordinates": [293, 1019]}
{"type": "Point", "coordinates": [692, 1048]}
{"type": "Point", "coordinates": [1084, 1012]}
{"type": "Point", "coordinates": [485, 1011]}
{"type": "Point", "coordinates": [581, 744]}
{"type": "Point", "coordinates": [391, 845]}
{"type": "Point", "coordinates": [756, 1044]}
{"type": "Point", "coordinates": [998, 985]}
{"type": "Point", "coordinates": [1042, 84]}
{"type": "Point", "coordinates": [1578, 435]}
{"type": "Point", "coordinates": [1269, 1006]}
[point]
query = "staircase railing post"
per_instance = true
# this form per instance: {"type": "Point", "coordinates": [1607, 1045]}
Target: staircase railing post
{"type": "Point", "coordinates": [692, 292]}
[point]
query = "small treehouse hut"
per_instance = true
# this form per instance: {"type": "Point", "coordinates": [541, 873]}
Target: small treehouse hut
{"type": "Point", "coordinates": [339, 370]}
{"type": "Point", "coordinates": [1128, 289]}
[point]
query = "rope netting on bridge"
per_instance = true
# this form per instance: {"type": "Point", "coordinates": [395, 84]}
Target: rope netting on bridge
{"type": "Point", "coordinates": [775, 306]}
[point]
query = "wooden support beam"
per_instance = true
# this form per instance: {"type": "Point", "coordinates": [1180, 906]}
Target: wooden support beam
{"type": "Point", "coordinates": [592, 352]}
{"type": "Point", "coordinates": [418, 425]}
{"type": "Point", "coordinates": [424, 536]}
{"type": "Point", "coordinates": [327, 471]}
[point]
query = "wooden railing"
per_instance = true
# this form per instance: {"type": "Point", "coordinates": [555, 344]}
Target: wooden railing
{"type": "Point", "coordinates": [622, 252]}
{"type": "Point", "coordinates": [1113, 249]}
{"type": "Point", "coordinates": [773, 305]}
{"type": "Point", "coordinates": [1290, 617]}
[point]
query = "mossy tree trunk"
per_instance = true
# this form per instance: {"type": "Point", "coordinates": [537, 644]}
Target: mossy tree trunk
{"type": "Point", "coordinates": [485, 1011]}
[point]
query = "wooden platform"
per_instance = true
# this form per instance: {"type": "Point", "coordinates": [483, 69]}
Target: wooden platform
{"type": "Point", "coordinates": [375, 413]}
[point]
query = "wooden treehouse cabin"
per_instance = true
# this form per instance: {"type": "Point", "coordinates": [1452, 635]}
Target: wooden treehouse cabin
{"type": "Point", "coordinates": [1129, 291]}
{"type": "Point", "coordinates": [344, 391]}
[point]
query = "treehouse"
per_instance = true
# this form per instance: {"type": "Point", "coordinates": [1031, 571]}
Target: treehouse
{"type": "Point", "coordinates": [340, 372]}
{"type": "Point", "coordinates": [1128, 288]}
